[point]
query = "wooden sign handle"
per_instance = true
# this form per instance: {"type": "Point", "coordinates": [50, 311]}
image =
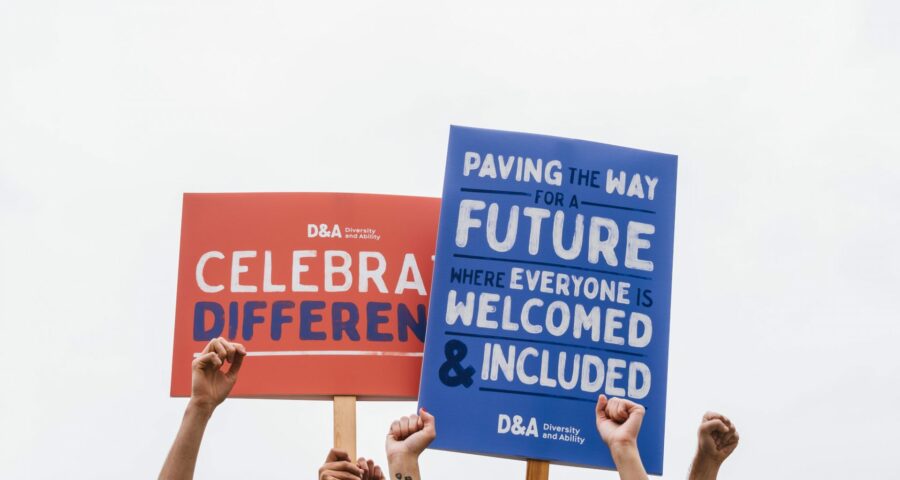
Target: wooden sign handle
{"type": "Point", "coordinates": [537, 470]}
{"type": "Point", "coordinates": [345, 424]}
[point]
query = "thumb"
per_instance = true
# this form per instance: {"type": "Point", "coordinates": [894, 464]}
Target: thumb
{"type": "Point", "coordinates": [601, 408]}
{"type": "Point", "coordinates": [715, 425]}
{"type": "Point", "coordinates": [428, 425]}
{"type": "Point", "coordinates": [635, 414]}
{"type": "Point", "coordinates": [427, 418]}
{"type": "Point", "coordinates": [337, 455]}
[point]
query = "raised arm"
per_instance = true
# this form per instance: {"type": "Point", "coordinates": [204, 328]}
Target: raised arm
{"type": "Point", "coordinates": [716, 439]}
{"type": "Point", "coordinates": [209, 387]}
{"type": "Point", "coordinates": [406, 439]}
{"type": "Point", "coordinates": [619, 422]}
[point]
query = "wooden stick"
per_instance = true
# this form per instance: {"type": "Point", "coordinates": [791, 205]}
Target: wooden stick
{"type": "Point", "coordinates": [537, 470]}
{"type": "Point", "coordinates": [345, 424]}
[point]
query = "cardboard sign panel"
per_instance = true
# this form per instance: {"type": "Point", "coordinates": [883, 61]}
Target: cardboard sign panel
{"type": "Point", "coordinates": [552, 286]}
{"type": "Point", "coordinates": [327, 291]}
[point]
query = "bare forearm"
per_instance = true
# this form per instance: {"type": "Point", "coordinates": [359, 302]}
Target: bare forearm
{"type": "Point", "coordinates": [404, 468]}
{"type": "Point", "coordinates": [183, 456]}
{"type": "Point", "coordinates": [628, 462]}
{"type": "Point", "coordinates": [703, 469]}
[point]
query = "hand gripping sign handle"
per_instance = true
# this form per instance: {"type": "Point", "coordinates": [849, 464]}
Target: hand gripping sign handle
{"type": "Point", "coordinates": [537, 470]}
{"type": "Point", "coordinates": [345, 424]}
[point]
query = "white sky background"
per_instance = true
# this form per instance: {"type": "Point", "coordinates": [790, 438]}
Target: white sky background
{"type": "Point", "coordinates": [785, 116]}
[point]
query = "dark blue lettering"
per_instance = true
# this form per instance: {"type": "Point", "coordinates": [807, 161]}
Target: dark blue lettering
{"type": "Point", "coordinates": [200, 331]}
{"type": "Point", "coordinates": [374, 319]}
{"type": "Point", "coordinates": [339, 325]}
{"type": "Point", "coordinates": [279, 318]}
{"type": "Point", "coordinates": [307, 318]}
{"type": "Point", "coordinates": [233, 319]}
{"type": "Point", "coordinates": [405, 321]}
{"type": "Point", "coordinates": [251, 318]}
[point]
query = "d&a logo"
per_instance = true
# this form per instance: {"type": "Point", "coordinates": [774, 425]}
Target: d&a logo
{"type": "Point", "coordinates": [513, 425]}
{"type": "Point", "coordinates": [322, 230]}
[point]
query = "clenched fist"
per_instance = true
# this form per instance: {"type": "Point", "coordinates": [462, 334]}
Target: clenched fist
{"type": "Point", "coordinates": [716, 437]}
{"type": "Point", "coordinates": [406, 440]}
{"type": "Point", "coordinates": [409, 436]}
{"type": "Point", "coordinates": [619, 421]}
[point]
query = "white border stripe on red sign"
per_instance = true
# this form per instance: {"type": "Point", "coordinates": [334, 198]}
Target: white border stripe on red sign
{"type": "Point", "coordinates": [326, 353]}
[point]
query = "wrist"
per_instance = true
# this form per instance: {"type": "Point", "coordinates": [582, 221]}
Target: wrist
{"type": "Point", "coordinates": [403, 458]}
{"type": "Point", "coordinates": [404, 466]}
{"type": "Point", "coordinates": [628, 460]}
{"type": "Point", "coordinates": [625, 453]}
{"type": "Point", "coordinates": [623, 450]}
{"type": "Point", "coordinates": [704, 466]}
{"type": "Point", "coordinates": [200, 408]}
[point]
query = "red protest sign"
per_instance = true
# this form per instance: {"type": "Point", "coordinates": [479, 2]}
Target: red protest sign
{"type": "Point", "coordinates": [327, 291]}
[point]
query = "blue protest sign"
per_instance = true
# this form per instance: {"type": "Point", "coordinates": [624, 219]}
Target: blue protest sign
{"type": "Point", "coordinates": [551, 285]}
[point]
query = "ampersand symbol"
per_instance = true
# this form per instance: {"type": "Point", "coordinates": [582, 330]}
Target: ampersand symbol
{"type": "Point", "coordinates": [455, 351]}
{"type": "Point", "coordinates": [517, 428]}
